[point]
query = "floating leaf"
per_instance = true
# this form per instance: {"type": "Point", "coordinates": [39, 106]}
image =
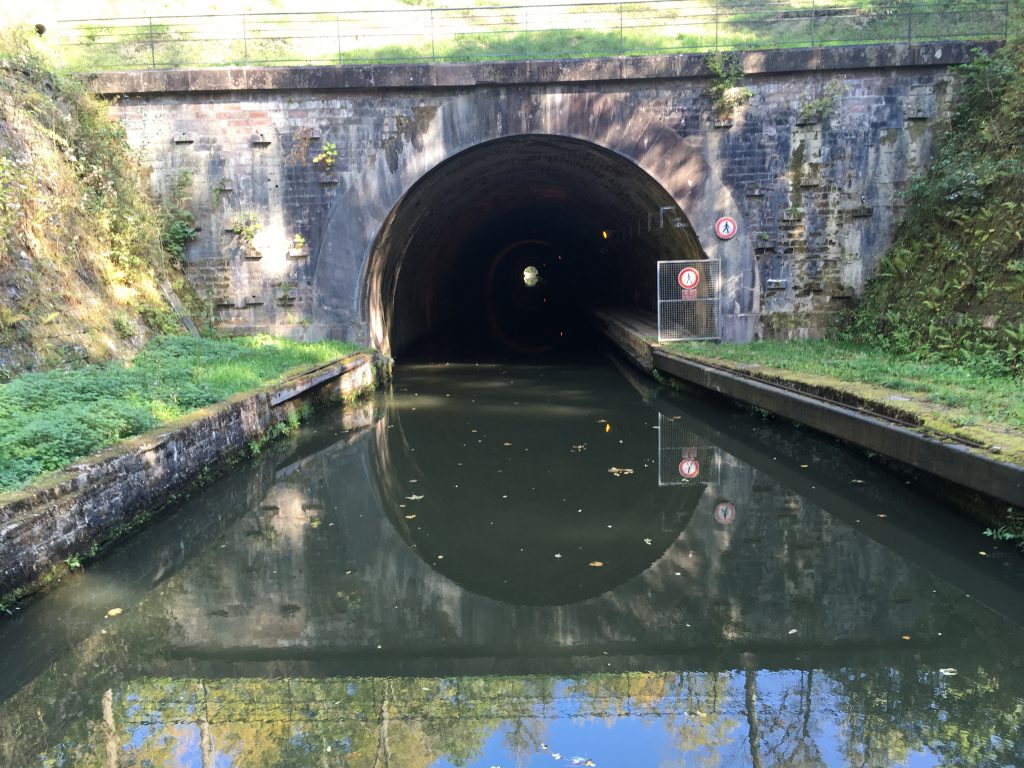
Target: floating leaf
{"type": "Point", "coordinates": [793, 631]}
{"type": "Point", "coordinates": [314, 523]}
{"type": "Point", "coordinates": [410, 517]}
{"type": "Point", "coordinates": [114, 612]}
{"type": "Point", "coordinates": [414, 497]}
{"type": "Point", "coordinates": [595, 564]}
{"type": "Point", "coordinates": [648, 542]}
{"type": "Point", "coordinates": [948, 671]}
{"type": "Point", "coordinates": [906, 637]}
{"type": "Point", "coordinates": [620, 471]}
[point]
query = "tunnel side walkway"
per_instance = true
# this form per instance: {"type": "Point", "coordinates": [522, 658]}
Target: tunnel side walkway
{"type": "Point", "coordinates": [906, 426]}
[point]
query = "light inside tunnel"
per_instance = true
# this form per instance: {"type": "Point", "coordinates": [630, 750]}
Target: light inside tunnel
{"type": "Point", "coordinates": [531, 277]}
{"type": "Point", "coordinates": [495, 248]}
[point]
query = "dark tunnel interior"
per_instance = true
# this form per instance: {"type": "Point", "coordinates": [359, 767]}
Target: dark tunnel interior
{"type": "Point", "coordinates": [507, 248]}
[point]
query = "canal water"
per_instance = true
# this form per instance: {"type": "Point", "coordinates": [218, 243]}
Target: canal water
{"type": "Point", "coordinates": [531, 565]}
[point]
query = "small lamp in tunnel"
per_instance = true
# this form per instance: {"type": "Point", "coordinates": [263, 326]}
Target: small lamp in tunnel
{"type": "Point", "coordinates": [531, 277]}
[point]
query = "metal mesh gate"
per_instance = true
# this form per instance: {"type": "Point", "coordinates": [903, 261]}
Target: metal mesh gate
{"type": "Point", "coordinates": [683, 455]}
{"type": "Point", "coordinates": [688, 304]}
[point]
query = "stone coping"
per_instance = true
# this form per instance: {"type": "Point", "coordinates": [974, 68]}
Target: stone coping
{"type": "Point", "coordinates": [356, 77]}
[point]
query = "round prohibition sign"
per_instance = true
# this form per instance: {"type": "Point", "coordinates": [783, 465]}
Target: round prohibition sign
{"type": "Point", "coordinates": [689, 278]}
{"type": "Point", "coordinates": [725, 512]}
{"type": "Point", "coordinates": [689, 468]}
{"type": "Point", "coordinates": [725, 228]}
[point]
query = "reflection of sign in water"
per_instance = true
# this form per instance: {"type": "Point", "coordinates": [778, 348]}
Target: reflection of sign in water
{"type": "Point", "coordinates": [683, 456]}
{"type": "Point", "coordinates": [725, 228]}
{"type": "Point", "coordinates": [689, 468]}
{"type": "Point", "coordinates": [689, 278]}
{"type": "Point", "coordinates": [725, 512]}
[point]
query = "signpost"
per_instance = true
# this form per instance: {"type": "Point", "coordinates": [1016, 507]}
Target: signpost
{"type": "Point", "coordinates": [725, 512]}
{"type": "Point", "coordinates": [725, 228]}
{"type": "Point", "coordinates": [689, 278]}
{"type": "Point", "coordinates": [689, 468]}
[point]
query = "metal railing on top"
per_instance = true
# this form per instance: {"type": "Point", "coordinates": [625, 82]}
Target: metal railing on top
{"type": "Point", "coordinates": [566, 30]}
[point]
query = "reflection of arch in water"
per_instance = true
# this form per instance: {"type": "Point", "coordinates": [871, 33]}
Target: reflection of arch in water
{"type": "Point", "coordinates": [525, 544]}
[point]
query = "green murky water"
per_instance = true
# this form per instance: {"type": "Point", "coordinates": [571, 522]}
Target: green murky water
{"type": "Point", "coordinates": [511, 565]}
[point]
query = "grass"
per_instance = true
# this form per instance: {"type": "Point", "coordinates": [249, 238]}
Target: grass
{"type": "Point", "coordinates": [464, 33]}
{"type": "Point", "coordinates": [954, 398]}
{"type": "Point", "coordinates": [52, 419]}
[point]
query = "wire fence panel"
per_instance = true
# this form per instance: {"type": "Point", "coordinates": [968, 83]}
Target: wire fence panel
{"type": "Point", "coordinates": [551, 31]}
{"type": "Point", "coordinates": [684, 456]}
{"type": "Point", "coordinates": [688, 300]}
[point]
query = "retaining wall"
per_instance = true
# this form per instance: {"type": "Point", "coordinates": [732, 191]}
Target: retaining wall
{"type": "Point", "coordinates": [88, 502]}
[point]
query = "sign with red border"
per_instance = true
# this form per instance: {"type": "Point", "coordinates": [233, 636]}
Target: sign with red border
{"type": "Point", "coordinates": [689, 468]}
{"type": "Point", "coordinates": [725, 228]}
{"type": "Point", "coordinates": [689, 278]}
{"type": "Point", "coordinates": [725, 512]}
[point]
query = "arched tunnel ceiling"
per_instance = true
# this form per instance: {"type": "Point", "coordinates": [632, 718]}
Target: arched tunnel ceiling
{"type": "Point", "coordinates": [434, 267]}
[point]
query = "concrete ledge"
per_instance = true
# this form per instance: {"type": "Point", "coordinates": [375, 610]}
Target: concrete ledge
{"type": "Point", "coordinates": [88, 501]}
{"type": "Point", "coordinates": [955, 462]}
{"type": "Point", "coordinates": [391, 76]}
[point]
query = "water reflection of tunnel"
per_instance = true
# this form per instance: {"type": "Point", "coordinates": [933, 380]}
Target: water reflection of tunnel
{"type": "Point", "coordinates": [506, 245]}
{"type": "Point", "coordinates": [492, 494]}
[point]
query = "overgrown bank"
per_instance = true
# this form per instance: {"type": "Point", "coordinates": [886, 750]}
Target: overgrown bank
{"type": "Point", "coordinates": [952, 285]}
{"type": "Point", "coordinates": [85, 254]}
{"type": "Point", "coordinates": [54, 418]}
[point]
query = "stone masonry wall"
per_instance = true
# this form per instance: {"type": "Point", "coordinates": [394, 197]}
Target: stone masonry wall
{"type": "Point", "coordinates": [816, 192]}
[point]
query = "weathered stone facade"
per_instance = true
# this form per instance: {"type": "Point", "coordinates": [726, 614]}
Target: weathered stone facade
{"type": "Point", "coordinates": [811, 166]}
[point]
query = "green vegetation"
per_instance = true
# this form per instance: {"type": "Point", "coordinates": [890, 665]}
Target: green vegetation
{"type": "Point", "coordinates": [51, 419]}
{"type": "Point", "coordinates": [978, 395]}
{"type": "Point", "coordinates": [483, 30]}
{"type": "Point", "coordinates": [823, 106]}
{"type": "Point", "coordinates": [327, 157]}
{"type": "Point", "coordinates": [80, 239]}
{"type": "Point", "coordinates": [725, 91]}
{"type": "Point", "coordinates": [952, 286]}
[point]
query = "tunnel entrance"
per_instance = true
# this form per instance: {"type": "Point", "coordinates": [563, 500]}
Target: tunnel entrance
{"type": "Point", "coordinates": [508, 247]}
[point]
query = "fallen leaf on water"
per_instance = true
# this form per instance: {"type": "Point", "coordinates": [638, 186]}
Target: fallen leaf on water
{"type": "Point", "coordinates": [906, 637]}
{"type": "Point", "coordinates": [793, 631]}
{"type": "Point", "coordinates": [620, 471]}
{"type": "Point", "coordinates": [314, 523]}
{"type": "Point", "coordinates": [414, 497]}
{"type": "Point", "coordinates": [607, 427]}
{"type": "Point", "coordinates": [595, 564]}
{"type": "Point", "coordinates": [579, 448]}
{"type": "Point", "coordinates": [882, 515]}
{"type": "Point", "coordinates": [804, 466]}
{"type": "Point", "coordinates": [948, 671]}
{"type": "Point", "coordinates": [410, 517]}
{"type": "Point", "coordinates": [648, 542]}
{"type": "Point", "coordinates": [558, 554]}
{"type": "Point", "coordinates": [114, 612]}
{"type": "Point", "coordinates": [982, 552]}
{"type": "Point", "coordinates": [857, 482]}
